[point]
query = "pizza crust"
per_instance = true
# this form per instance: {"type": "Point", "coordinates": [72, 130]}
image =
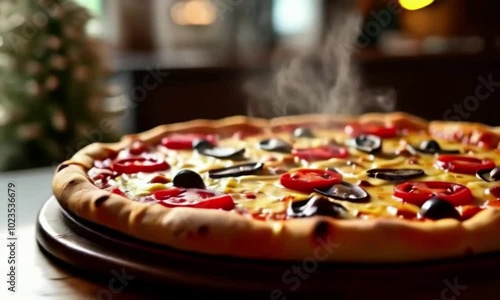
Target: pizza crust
{"type": "Point", "coordinates": [231, 234]}
{"type": "Point", "coordinates": [396, 119]}
{"type": "Point", "coordinates": [473, 134]}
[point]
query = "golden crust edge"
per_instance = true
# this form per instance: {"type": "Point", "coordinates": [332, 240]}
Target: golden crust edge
{"type": "Point", "coordinates": [392, 118]}
{"type": "Point", "coordinates": [216, 232]}
{"type": "Point", "coordinates": [471, 130]}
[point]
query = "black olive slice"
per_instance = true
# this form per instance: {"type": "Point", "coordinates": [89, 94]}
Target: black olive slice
{"type": "Point", "coordinates": [345, 191]}
{"type": "Point", "coordinates": [436, 209]}
{"type": "Point", "coordinates": [275, 145]}
{"type": "Point", "coordinates": [206, 148]}
{"type": "Point", "coordinates": [395, 174]}
{"type": "Point", "coordinates": [367, 143]}
{"type": "Point", "coordinates": [189, 179]}
{"type": "Point", "coordinates": [236, 171]}
{"type": "Point", "coordinates": [223, 153]}
{"type": "Point", "coordinates": [430, 146]}
{"type": "Point", "coordinates": [202, 144]}
{"type": "Point", "coordinates": [317, 206]}
{"type": "Point", "coordinates": [433, 147]}
{"type": "Point", "coordinates": [303, 132]}
{"type": "Point", "coordinates": [489, 175]}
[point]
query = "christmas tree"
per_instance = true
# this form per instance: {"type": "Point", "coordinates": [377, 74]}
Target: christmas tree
{"type": "Point", "coordinates": [53, 83]}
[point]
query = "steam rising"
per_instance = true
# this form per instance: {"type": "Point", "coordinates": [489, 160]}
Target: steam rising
{"type": "Point", "coordinates": [326, 81]}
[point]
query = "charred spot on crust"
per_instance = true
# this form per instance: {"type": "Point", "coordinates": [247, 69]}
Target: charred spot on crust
{"type": "Point", "coordinates": [469, 251]}
{"type": "Point", "coordinates": [99, 201]}
{"type": "Point", "coordinates": [71, 183]}
{"type": "Point", "coordinates": [62, 167]}
{"type": "Point", "coordinates": [321, 230]}
{"type": "Point", "coordinates": [203, 230]}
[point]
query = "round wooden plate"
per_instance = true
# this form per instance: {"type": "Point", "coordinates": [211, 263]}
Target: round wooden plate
{"type": "Point", "coordinates": [97, 250]}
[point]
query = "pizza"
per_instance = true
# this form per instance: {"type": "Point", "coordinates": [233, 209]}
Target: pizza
{"type": "Point", "coordinates": [386, 187]}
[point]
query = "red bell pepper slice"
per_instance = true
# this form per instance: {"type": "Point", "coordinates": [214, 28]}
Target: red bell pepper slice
{"type": "Point", "coordinates": [137, 148]}
{"type": "Point", "coordinates": [100, 174]}
{"type": "Point", "coordinates": [492, 203]}
{"type": "Point", "coordinates": [181, 141]}
{"type": "Point", "coordinates": [196, 198]}
{"type": "Point", "coordinates": [469, 211]}
{"type": "Point", "coordinates": [495, 191]}
{"type": "Point", "coordinates": [321, 153]}
{"type": "Point", "coordinates": [136, 165]}
{"type": "Point", "coordinates": [463, 164]}
{"type": "Point", "coordinates": [118, 192]}
{"type": "Point", "coordinates": [165, 194]}
{"type": "Point", "coordinates": [418, 193]}
{"type": "Point", "coordinates": [306, 180]}
{"type": "Point", "coordinates": [379, 130]}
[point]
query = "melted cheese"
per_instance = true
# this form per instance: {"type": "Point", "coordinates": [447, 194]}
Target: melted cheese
{"type": "Point", "coordinates": [269, 197]}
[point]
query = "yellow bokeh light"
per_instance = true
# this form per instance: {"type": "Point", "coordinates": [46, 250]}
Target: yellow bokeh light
{"type": "Point", "coordinates": [193, 12]}
{"type": "Point", "coordinates": [415, 4]}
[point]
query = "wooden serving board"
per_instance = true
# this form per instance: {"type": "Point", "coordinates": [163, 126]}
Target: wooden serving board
{"type": "Point", "coordinates": [95, 251]}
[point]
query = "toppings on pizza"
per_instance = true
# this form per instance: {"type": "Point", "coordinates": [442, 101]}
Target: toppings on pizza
{"type": "Point", "coordinates": [321, 153]}
{"type": "Point", "coordinates": [395, 174]}
{"type": "Point", "coordinates": [100, 174]}
{"type": "Point", "coordinates": [345, 191]}
{"type": "Point", "coordinates": [236, 171]}
{"type": "Point", "coordinates": [362, 170]}
{"type": "Point", "coordinates": [469, 211]}
{"type": "Point", "coordinates": [188, 179]}
{"type": "Point", "coordinates": [405, 149]}
{"type": "Point", "coordinates": [377, 129]}
{"type": "Point", "coordinates": [492, 203]}
{"type": "Point", "coordinates": [370, 144]}
{"type": "Point", "coordinates": [167, 193]}
{"type": "Point", "coordinates": [418, 193]}
{"type": "Point", "coordinates": [303, 132]}
{"type": "Point", "coordinates": [185, 141]}
{"type": "Point", "coordinates": [495, 174]}
{"type": "Point", "coordinates": [137, 148]}
{"type": "Point", "coordinates": [489, 175]}
{"type": "Point", "coordinates": [436, 209]}
{"type": "Point", "coordinates": [118, 192]}
{"type": "Point", "coordinates": [159, 179]}
{"type": "Point", "coordinates": [307, 180]}
{"type": "Point", "coordinates": [464, 164]}
{"type": "Point", "coordinates": [177, 197]}
{"type": "Point", "coordinates": [275, 145]}
{"type": "Point", "coordinates": [404, 211]}
{"type": "Point", "coordinates": [206, 148]}
{"type": "Point", "coordinates": [433, 147]}
{"type": "Point", "coordinates": [139, 164]}
{"type": "Point", "coordinates": [495, 191]}
{"type": "Point", "coordinates": [103, 164]}
{"type": "Point", "coordinates": [317, 206]}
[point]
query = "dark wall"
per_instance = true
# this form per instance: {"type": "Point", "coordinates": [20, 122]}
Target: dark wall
{"type": "Point", "coordinates": [426, 86]}
{"type": "Point", "coordinates": [431, 86]}
{"type": "Point", "coordinates": [188, 94]}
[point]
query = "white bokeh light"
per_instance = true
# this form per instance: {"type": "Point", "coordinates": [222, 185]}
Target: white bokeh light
{"type": "Point", "coordinates": [292, 17]}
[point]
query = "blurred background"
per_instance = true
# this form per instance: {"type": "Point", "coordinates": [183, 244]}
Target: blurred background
{"type": "Point", "coordinates": [77, 72]}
